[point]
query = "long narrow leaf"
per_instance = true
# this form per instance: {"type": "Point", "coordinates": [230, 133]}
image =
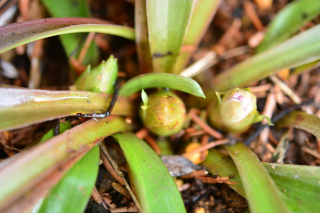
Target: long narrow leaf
{"type": "Point", "coordinates": [301, 120]}
{"type": "Point", "coordinates": [167, 24]}
{"type": "Point", "coordinates": [201, 16]}
{"type": "Point", "coordinates": [288, 21]}
{"type": "Point", "coordinates": [13, 35]}
{"type": "Point", "coordinates": [74, 8]}
{"type": "Point", "coordinates": [164, 80]}
{"type": "Point", "coordinates": [297, 184]}
{"type": "Point", "coordinates": [141, 32]}
{"type": "Point", "coordinates": [152, 181]}
{"type": "Point", "coordinates": [74, 189]}
{"type": "Point", "coordinates": [47, 156]}
{"type": "Point", "coordinates": [301, 49]}
{"type": "Point", "coordinates": [21, 107]}
{"type": "Point", "coordinates": [261, 192]}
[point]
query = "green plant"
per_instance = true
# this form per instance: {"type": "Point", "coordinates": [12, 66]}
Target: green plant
{"type": "Point", "coordinates": [162, 29]}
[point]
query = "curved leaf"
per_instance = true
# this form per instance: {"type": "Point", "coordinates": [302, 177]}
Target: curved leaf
{"type": "Point", "coordinates": [261, 192]}
{"type": "Point", "coordinates": [288, 21]}
{"type": "Point", "coordinates": [17, 105]}
{"type": "Point", "coordinates": [300, 194]}
{"type": "Point", "coordinates": [300, 183]}
{"type": "Point", "coordinates": [73, 191]}
{"type": "Point", "coordinates": [13, 35]}
{"type": "Point", "coordinates": [164, 80]}
{"type": "Point", "coordinates": [201, 16]}
{"type": "Point", "coordinates": [99, 79]}
{"type": "Point", "coordinates": [167, 25]}
{"type": "Point", "coordinates": [156, 190]}
{"type": "Point", "coordinates": [301, 120]}
{"type": "Point", "coordinates": [70, 42]}
{"type": "Point", "coordinates": [37, 163]}
{"type": "Point", "coordinates": [301, 49]}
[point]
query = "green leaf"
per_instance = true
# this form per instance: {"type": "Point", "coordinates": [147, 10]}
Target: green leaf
{"type": "Point", "coordinates": [201, 16]}
{"type": "Point", "coordinates": [99, 79]}
{"type": "Point", "coordinates": [13, 35]}
{"type": "Point", "coordinates": [288, 21]}
{"type": "Point", "coordinates": [164, 80]}
{"type": "Point", "coordinates": [300, 194]}
{"type": "Point", "coordinates": [73, 191]}
{"type": "Point", "coordinates": [167, 24]}
{"type": "Point", "coordinates": [299, 183]}
{"type": "Point", "coordinates": [17, 105]}
{"type": "Point", "coordinates": [141, 32]}
{"type": "Point", "coordinates": [156, 190]}
{"type": "Point", "coordinates": [50, 134]}
{"type": "Point", "coordinates": [144, 97]}
{"type": "Point", "coordinates": [74, 8]}
{"type": "Point", "coordinates": [261, 191]}
{"type": "Point", "coordinates": [301, 49]}
{"type": "Point", "coordinates": [36, 163]}
{"type": "Point", "coordinates": [301, 120]}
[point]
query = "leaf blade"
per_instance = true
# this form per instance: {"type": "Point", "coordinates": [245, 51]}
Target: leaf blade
{"type": "Point", "coordinates": [155, 187]}
{"type": "Point", "coordinates": [17, 34]}
{"type": "Point", "coordinates": [261, 192]}
{"type": "Point", "coordinates": [167, 25]}
{"type": "Point", "coordinates": [17, 106]}
{"type": "Point", "coordinates": [281, 57]}
{"type": "Point", "coordinates": [289, 21]}
{"type": "Point", "coordinates": [164, 80]}
{"type": "Point", "coordinates": [73, 191]}
{"type": "Point", "coordinates": [47, 156]}
{"type": "Point", "coordinates": [301, 120]}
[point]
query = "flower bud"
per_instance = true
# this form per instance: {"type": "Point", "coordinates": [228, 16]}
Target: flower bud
{"type": "Point", "coordinates": [165, 114]}
{"type": "Point", "coordinates": [99, 79]}
{"type": "Point", "coordinates": [235, 111]}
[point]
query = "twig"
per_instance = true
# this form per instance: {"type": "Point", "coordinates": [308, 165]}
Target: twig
{"type": "Point", "coordinates": [203, 125]}
{"type": "Point", "coordinates": [85, 47]}
{"type": "Point", "coordinates": [126, 209]}
{"type": "Point", "coordinates": [250, 11]}
{"type": "Point", "coordinates": [286, 89]}
{"type": "Point", "coordinates": [311, 152]}
{"type": "Point", "coordinates": [153, 144]}
{"type": "Point", "coordinates": [116, 168]}
{"type": "Point", "coordinates": [110, 169]}
{"type": "Point", "coordinates": [206, 147]}
{"type": "Point", "coordinates": [97, 197]}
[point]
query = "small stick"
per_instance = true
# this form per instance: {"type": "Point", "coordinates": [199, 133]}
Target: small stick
{"type": "Point", "coordinates": [116, 168]}
{"type": "Point", "coordinates": [121, 190]}
{"type": "Point", "coordinates": [153, 144]}
{"type": "Point", "coordinates": [203, 125]}
{"type": "Point", "coordinates": [110, 169]}
{"type": "Point", "coordinates": [286, 89]}
{"type": "Point", "coordinates": [86, 47]}
{"type": "Point", "coordinates": [311, 152]}
{"type": "Point", "coordinates": [206, 147]}
{"type": "Point", "coordinates": [204, 142]}
{"type": "Point", "coordinates": [268, 111]}
{"type": "Point", "coordinates": [108, 201]}
{"type": "Point", "coordinates": [97, 197]}
{"type": "Point", "coordinates": [142, 133]}
{"type": "Point", "coordinates": [250, 11]}
{"type": "Point", "coordinates": [126, 209]}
